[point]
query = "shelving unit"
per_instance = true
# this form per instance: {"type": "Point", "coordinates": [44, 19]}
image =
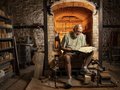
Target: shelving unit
{"type": "Point", "coordinates": [115, 55]}
{"type": "Point", "coordinates": [8, 52]}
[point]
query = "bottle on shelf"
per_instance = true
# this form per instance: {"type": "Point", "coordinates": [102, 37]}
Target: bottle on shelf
{"type": "Point", "coordinates": [57, 41]}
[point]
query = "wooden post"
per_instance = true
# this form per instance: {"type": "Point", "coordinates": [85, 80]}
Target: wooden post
{"type": "Point", "coordinates": [45, 36]}
{"type": "Point", "coordinates": [16, 63]}
{"type": "Point", "coordinates": [100, 29]}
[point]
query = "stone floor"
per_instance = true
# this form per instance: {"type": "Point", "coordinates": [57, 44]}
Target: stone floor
{"type": "Point", "coordinates": [19, 82]}
{"type": "Point", "coordinates": [49, 85]}
{"type": "Point", "coordinates": [26, 81]}
{"type": "Point", "coordinates": [37, 85]}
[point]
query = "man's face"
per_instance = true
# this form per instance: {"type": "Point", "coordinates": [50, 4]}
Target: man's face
{"type": "Point", "coordinates": [78, 30]}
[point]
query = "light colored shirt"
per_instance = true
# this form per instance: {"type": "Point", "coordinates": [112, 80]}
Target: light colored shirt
{"type": "Point", "coordinates": [73, 43]}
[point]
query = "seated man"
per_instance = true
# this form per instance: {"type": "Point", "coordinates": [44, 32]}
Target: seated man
{"type": "Point", "coordinates": [73, 41]}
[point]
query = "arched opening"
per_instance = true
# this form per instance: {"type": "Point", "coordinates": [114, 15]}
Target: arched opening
{"type": "Point", "coordinates": [69, 13]}
{"type": "Point", "coordinates": [66, 18]}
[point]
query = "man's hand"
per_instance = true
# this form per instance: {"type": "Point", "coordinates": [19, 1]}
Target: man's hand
{"type": "Point", "coordinates": [85, 45]}
{"type": "Point", "coordinates": [66, 49]}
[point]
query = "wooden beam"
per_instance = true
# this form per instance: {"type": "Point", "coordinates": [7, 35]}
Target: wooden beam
{"type": "Point", "coordinates": [45, 66]}
{"type": "Point", "coordinates": [100, 30]}
{"type": "Point", "coordinates": [111, 26]}
{"type": "Point", "coordinates": [27, 26]}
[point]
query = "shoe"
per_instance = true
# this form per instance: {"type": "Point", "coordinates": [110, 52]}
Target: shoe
{"type": "Point", "coordinates": [69, 81]}
{"type": "Point", "coordinates": [68, 84]}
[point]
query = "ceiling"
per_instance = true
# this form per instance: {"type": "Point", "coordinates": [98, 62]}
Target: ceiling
{"type": "Point", "coordinates": [75, 13]}
{"type": "Point", "coordinates": [78, 10]}
{"type": "Point", "coordinates": [67, 14]}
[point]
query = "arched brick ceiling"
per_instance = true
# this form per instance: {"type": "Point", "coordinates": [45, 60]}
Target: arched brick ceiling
{"type": "Point", "coordinates": [81, 9]}
{"type": "Point", "coordinates": [78, 12]}
{"type": "Point", "coordinates": [69, 19]}
{"type": "Point", "coordinates": [73, 3]}
{"type": "Point", "coordinates": [66, 14]}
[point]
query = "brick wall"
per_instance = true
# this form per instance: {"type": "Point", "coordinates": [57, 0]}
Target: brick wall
{"type": "Point", "coordinates": [95, 35]}
{"type": "Point", "coordinates": [111, 16]}
{"type": "Point", "coordinates": [27, 12]}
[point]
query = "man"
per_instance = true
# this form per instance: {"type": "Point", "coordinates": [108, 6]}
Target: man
{"type": "Point", "coordinates": [74, 41]}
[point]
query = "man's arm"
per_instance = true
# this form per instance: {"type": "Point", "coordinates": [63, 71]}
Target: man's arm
{"type": "Point", "coordinates": [66, 49]}
{"type": "Point", "coordinates": [64, 44]}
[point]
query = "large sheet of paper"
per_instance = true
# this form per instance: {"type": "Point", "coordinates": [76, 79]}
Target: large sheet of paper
{"type": "Point", "coordinates": [87, 49]}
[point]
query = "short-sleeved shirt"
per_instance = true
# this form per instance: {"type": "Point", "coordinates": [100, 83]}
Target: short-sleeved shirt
{"type": "Point", "coordinates": [73, 43]}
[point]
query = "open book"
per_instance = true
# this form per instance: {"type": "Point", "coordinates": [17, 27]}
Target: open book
{"type": "Point", "coordinates": [87, 49]}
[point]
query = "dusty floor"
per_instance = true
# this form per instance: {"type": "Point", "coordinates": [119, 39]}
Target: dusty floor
{"type": "Point", "coordinates": [19, 82]}
{"type": "Point", "coordinates": [26, 81]}
{"type": "Point", "coordinates": [114, 72]}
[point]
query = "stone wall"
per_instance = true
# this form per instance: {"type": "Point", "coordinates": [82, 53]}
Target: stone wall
{"type": "Point", "coordinates": [27, 12]}
{"type": "Point", "coordinates": [111, 16]}
{"type": "Point", "coordinates": [111, 10]}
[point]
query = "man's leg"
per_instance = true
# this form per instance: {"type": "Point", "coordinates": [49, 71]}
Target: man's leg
{"type": "Point", "coordinates": [68, 64]}
{"type": "Point", "coordinates": [88, 59]}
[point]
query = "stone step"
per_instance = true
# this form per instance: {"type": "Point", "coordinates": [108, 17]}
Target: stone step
{"type": "Point", "coordinates": [105, 75]}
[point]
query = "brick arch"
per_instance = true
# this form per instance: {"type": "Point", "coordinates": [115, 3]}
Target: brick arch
{"type": "Point", "coordinates": [83, 11]}
{"type": "Point", "coordinates": [79, 12]}
{"type": "Point", "coordinates": [73, 3]}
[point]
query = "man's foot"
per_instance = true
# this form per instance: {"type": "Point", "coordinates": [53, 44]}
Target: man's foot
{"type": "Point", "coordinates": [68, 83]}
{"type": "Point", "coordinates": [67, 86]}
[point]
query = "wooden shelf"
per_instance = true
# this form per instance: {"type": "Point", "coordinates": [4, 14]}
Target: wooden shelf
{"type": "Point", "coordinates": [116, 55]}
{"type": "Point", "coordinates": [6, 49]}
{"type": "Point", "coordinates": [8, 45]}
{"type": "Point", "coordinates": [4, 18]}
{"type": "Point", "coordinates": [2, 27]}
{"type": "Point", "coordinates": [27, 26]}
{"type": "Point", "coordinates": [7, 75]}
{"type": "Point", "coordinates": [5, 61]}
{"type": "Point", "coordinates": [6, 39]}
{"type": "Point", "coordinates": [25, 44]}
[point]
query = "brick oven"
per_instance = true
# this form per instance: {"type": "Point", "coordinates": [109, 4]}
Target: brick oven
{"type": "Point", "coordinates": [67, 13]}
